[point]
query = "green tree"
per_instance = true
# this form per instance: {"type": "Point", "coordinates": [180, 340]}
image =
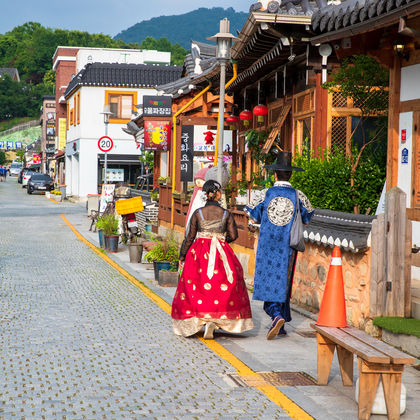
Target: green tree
{"type": "Point", "coordinates": [177, 52]}
{"type": "Point", "coordinates": [2, 157]}
{"type": "Point", "coordinates": [365, 81]}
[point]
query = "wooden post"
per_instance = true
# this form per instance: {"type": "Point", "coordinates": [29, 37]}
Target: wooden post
{"type": "Point", "coordinates": [377, 267]}
{"type": "Point", "coordinates": [393, 124]}
{"type": "Point", "coordinates": [395, 219]}
{"type": "Point", "coordinates": [407, 268]}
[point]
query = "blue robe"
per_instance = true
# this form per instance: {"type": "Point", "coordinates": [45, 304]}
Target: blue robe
{"type": "Point", "coordinates": [275, 209]}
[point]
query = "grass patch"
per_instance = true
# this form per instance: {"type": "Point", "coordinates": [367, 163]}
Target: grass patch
{"type": "Point", "coordinates": [6, 124]}
{"type": "Point", "coordinates": [399, 325]}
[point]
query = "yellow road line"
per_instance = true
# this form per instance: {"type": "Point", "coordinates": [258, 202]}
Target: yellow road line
{"type": "Point", "coordinates": [56, 202]}
{"type": "Point", "coordinates": [291, 408]}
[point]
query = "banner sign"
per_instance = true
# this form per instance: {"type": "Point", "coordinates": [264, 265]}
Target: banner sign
{"type": "Point", "coordinates": [157, 135]}
{"type": "Point", "coordinates": [187, 145]}
{"type": "Point", "coordinates": [62, 128]}
{"type": "Point", "coordinates": [157, 106]}
{"type": "Point", "coordinates": [9, 145]}
{"type": "Point", "coordinates": [18, 145]}
{"type": "Point", "coordinates": [107, 196]}
{"type": "Point", "coordinates": [1, 144]}
{"type": "Point", "coordinates": [36, 158]}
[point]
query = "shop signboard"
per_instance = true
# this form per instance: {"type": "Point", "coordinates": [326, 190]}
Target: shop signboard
{"type": "Point", "coordinates": [9, 145]}
{"type": "Point", "coordinates": [157, 106]}
{"type": "Point", "coordinates": [62, 127]}
{"type": "Point", "coordinates": [157, 135]}
{"type": "Point", "coordinates": [1, 144]}
{"type": "Point", "coordinates": [114, 175]}
{"type": "Point", "coordinates": [18, 145]}
{"type": "Point", "coordinates": [187, 147]}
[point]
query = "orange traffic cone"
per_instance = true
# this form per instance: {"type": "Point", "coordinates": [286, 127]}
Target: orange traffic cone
{"type": "Point", "coordinates": [333, 305]}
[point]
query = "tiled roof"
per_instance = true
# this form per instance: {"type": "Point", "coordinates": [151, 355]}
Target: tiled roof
{"type": "Point", "coordinates": [346, 230]}
{"type": "Point", "coordinates": [124, 75]}
{"type": "Point", "coordinates": [306, 8]}
{"type": "Point", "coordinates": [353, 12]}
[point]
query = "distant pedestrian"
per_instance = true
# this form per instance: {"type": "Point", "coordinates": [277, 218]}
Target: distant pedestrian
{"type": "Point", "coordinates": [3, 174]}
{"type": "Point", "coordinates": [211, 291]}
{"type": "Point", "coordinates": [275, 209]}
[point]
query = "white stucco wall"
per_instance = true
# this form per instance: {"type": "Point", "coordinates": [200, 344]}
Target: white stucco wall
{"type": "Point", "coordinates": [404, 169]}
{"type": "Point", "coordinates": [82, 163]}
{"type": "Point", "coordinates": [110, 55]}
{"type": "Point", "coordinates": [410, 84]}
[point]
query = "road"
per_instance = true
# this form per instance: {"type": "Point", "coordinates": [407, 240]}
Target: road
{"type": "Point", "coordinates": [78, 341]}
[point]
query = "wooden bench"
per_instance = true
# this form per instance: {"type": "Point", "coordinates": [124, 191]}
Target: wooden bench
{"type": "Point", "coordinates": [375, 359]}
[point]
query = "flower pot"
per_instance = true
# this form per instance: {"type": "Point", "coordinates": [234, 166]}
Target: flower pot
{"type": "Point", "coordinates": [168, 278]}
{"type": "Point", "coordinates": [101, 239]}
{"type": "Point", "coordinates": [160, 265]}
{"type": "Point", "coordinates": [112, 242]}
{"type": "Point", "coordinates": [135, 251]}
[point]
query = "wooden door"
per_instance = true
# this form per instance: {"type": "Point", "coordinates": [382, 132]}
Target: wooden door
{"type": "Point", "coordinates": [415, 180]}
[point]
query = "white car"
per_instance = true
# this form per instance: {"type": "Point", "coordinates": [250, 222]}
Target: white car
{"type": "Point", "coordinates": [15, 168]}
{"type": "Point", "coordinates": [26, 176]}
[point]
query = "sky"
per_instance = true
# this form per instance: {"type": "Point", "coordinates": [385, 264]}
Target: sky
{"type": "Point", "coordinates": [101, 16]}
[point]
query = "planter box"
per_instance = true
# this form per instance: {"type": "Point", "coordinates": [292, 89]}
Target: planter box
{"type": "Point", "coordinates": [55, 197]}
{"type": "Point", "coordinates": [168, 278]}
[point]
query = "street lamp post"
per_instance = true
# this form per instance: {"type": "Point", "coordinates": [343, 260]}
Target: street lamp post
{"type": "Point", "coordinates": [106, 113]}
{"type": "Point", "coordinates": [223, 46]}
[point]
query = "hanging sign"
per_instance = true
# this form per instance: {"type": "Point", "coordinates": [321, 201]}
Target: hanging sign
{"type": "Point", "coordinates": [157, 106]}
{"type": "Point", "coordinates": [404, 155]}
{"type": "Point", "coordinates": [105, 144]}
{"type": "Point", "coordinates": [187, 144]}
{"type": "Point", "coordinates": [403, 135]}
{"type": "Point", "coordinates": [157, 135]}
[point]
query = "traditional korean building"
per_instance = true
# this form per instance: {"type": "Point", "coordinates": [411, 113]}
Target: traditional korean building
{"type": "Point", "coordinates": [389, 32]}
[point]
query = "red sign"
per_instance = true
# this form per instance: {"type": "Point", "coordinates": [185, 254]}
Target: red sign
{"type": "Point", "coordinates": [157, 135]}
{"type": "Point", "coordinates": [105, 144]}
{"type": "Point", "coordinates": [36, 158]}
{"type": "Point", "coordinates": [403, 135]}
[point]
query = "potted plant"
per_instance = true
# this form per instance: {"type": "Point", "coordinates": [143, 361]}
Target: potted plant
{"type": "Point", "coordinates": [164, 180]}
{"type": "Point", "coordinates": [169, 278]}
{"type": "Point", "coordinates": [154, 195]}
{"type": "Point", "coordinates": [55, 195]}
{"type": "Point", "coordinates": [100, 227]}
{"type": "Point", "coordinates": [164, 255]}
{"type": "Point", "coordinates": [135, 250]}
{"type": "Point", "coordinates": [110, 228]}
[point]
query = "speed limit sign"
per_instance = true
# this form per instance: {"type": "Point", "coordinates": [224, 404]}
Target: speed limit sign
{"type": "Point", "coordinates": [105, 144]}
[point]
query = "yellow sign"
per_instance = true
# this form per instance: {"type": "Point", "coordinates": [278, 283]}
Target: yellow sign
{"type": "Point", "coordinates": [130, 205]}
{"type": "Point", "coordinates": [62, 127]}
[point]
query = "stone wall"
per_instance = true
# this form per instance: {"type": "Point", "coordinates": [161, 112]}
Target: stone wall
{"type": "Point", "coordinates": [311, 275]}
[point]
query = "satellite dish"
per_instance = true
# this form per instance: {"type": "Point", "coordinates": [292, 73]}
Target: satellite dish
{"type": "Point", "coordinates": [325, 50]}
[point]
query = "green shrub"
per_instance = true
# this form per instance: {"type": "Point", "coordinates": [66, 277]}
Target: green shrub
{"type": "Point", "coordinates": [108, 223]}
{"type": "Point", "coordinates": [326, 182]}
{"type": "Point", "coordinates": [166, 250]}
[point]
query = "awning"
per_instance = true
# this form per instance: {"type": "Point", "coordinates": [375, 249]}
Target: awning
{"type": "Point", "coordinates": [119, 159]}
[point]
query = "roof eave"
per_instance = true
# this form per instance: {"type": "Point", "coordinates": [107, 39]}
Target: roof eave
{"type": "Point", "coordinates": [369, 25]}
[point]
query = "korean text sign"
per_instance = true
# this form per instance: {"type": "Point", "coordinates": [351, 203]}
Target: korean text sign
{"type": "Point", "coordinates": [187, 144]}
{"type": "Point", "coordinates": [157, 106]}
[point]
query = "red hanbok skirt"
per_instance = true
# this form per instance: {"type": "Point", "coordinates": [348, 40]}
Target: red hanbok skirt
{"type": "Point", "coordinates": [222, 299]}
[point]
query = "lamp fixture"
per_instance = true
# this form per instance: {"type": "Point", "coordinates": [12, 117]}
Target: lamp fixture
{"type": "Point", "coordinates": [400, 49]}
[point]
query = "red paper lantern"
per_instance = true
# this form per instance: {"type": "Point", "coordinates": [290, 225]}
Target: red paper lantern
{"type": "Point", "coordinates": [232, 120]}
{"type": "Point", "coordinates": [246, 117]}
{"type": "Point", "coordinates": [260, 111]}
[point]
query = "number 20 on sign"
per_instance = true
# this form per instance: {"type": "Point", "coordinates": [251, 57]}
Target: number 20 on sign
{"type": "Point", "coordinates": [105, 144]}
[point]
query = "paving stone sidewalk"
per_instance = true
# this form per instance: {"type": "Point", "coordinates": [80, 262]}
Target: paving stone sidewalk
{"type": "Point", "coordinates": [79, 341]}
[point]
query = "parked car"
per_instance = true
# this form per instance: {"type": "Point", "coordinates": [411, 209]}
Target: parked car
{"type": "Point", "coordinates": [40, 182]}
{"type": "Point", "coordinates": [27, 176]}
{"type": "Point", "coordinates": [21, 173]}
{"type": "Point", "coordinates": [15, 168]}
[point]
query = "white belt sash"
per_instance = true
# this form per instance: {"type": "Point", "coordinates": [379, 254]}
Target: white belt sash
{"type": "Point", "coordinates": [216, 245]}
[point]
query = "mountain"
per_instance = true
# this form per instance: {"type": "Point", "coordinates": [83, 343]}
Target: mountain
{"type": "Point", "coordinates": [198, 25]}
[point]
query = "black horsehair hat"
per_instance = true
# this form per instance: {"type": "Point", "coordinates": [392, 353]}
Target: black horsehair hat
{"type": "Point", "coordinates": [283, 163]}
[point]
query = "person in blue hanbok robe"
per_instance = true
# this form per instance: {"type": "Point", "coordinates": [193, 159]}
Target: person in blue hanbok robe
{"type": "Point", "coordinates": [274, 209]}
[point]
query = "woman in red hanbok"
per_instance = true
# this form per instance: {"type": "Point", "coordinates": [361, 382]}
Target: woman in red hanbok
{"type": "Point", "coordinates": [211, 291]}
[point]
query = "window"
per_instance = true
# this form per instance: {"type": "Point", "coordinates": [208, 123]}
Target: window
{"type": "Point", "coordinates": [120, 105]}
